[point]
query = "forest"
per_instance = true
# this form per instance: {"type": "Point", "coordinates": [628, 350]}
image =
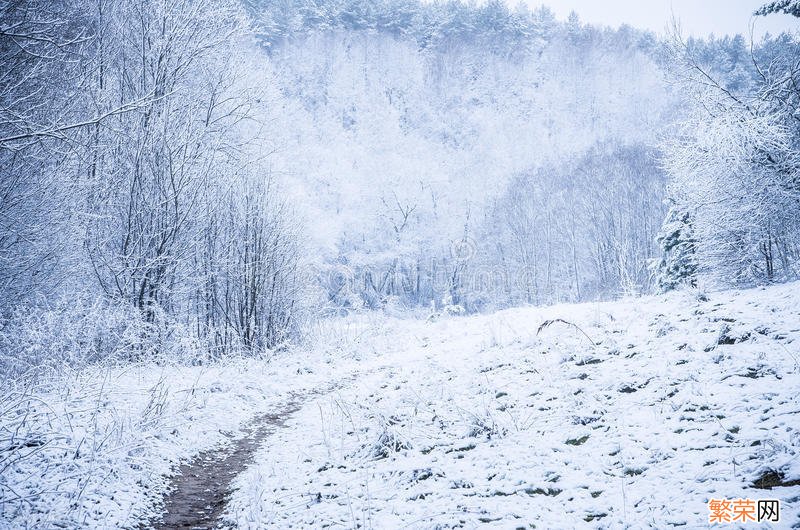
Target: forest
{"type": "Point", "coordinates": [186, 182]}
{"type": "Point", "coordinates": [200, 178]}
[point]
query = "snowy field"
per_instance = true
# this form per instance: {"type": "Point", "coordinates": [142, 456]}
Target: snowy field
{"type": "Point", "coordinates": [630, 413]}
{"type": "Point", "coordinates": [633, 417]}
{"type": "Point", "coordinates": [96, 449]}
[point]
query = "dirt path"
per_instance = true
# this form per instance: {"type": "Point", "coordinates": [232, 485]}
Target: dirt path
{"type": "Point", "coordinates": [201, 489]}
{"type": "Point", "coordinates": [202, 486]}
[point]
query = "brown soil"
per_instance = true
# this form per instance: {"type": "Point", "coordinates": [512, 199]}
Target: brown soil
{"type": "Point", "coordinates": [773, 479]}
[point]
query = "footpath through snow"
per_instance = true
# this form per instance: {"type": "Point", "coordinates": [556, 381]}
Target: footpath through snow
{"type": "Point", "coordinates": [99, 448]}
{"type": "Point", "coordinates": [631, 413]}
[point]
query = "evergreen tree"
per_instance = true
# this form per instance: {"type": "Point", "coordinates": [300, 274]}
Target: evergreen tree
{"type": "Point", "coordinates": [678, 263]}
{"type": "Point", "coordinates": [789, 7]}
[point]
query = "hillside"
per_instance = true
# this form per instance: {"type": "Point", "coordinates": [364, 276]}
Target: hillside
{"type": "Point", "coordinates": [624, 413]}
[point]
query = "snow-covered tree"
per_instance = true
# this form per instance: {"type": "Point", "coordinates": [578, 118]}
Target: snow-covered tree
{"type": "Point", "coordinates": [678, 263]}
{"type": "Point", "coordinates": [737, 164]}
{"type": "Point", "coordinates": [125, 127]}
{"type": "Point", "coordinates": [789, 7]}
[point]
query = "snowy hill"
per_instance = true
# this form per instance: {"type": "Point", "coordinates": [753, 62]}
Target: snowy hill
{"type": "Point", "coordinates": [631, 413]}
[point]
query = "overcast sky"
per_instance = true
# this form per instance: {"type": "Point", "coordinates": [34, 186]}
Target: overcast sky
{"type": "Point", "coordinates": [697, 17]}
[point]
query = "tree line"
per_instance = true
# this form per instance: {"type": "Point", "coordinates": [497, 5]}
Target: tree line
{"type": "Point", "coordinates": [196, 178]}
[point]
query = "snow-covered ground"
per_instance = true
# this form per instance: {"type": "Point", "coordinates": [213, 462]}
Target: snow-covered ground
{"type": "Point", "coordinates": [630, 413]}
{"type": "Point", "coordinates": [95, 449]}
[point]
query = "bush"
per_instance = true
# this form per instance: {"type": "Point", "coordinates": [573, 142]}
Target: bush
{"type": "Point", "coordinates": [80, 331]}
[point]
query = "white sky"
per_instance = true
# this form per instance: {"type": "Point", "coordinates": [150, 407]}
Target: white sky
{"type": "Point", "coordinates": [697, 17]}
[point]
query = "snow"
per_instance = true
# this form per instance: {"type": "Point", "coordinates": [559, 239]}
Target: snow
{"type": "Point", "coordinates": [630, 413]}
{"type": "Point", "coordinates": [96, 448]}
{"type": "Point", "coordinates": [633, 417]}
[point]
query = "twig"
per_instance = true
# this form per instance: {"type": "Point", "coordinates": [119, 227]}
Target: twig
{"type": "Point", "coordinates": [548, 323]}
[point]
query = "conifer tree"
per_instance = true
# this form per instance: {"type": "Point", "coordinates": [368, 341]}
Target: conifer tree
{"type": "Point", "coordinates": [678, 263]}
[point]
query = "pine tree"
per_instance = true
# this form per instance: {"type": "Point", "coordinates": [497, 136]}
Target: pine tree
{"type": "Point", "coordinates": [788, 7]}
{"type": "Point", "coordinates": [678, 263]}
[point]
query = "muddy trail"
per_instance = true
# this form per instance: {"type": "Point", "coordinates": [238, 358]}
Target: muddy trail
{"type": "Point", "coordinates": [201, 488]}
